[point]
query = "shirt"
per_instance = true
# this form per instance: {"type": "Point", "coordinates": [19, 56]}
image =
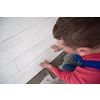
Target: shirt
{"type": "Point", "coordinates": [81, 75]}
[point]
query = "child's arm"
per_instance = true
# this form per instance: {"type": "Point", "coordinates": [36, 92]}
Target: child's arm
{"type": "Point", "coordinates": [66, 76]}
{"type": "Point", "coordinates": [56, 48]}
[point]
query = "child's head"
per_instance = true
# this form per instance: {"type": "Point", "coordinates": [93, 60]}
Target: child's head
{"type": "Point", "coordinates": [78, 35]}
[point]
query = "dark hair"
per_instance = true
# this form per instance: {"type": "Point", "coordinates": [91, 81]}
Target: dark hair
{"type": "Point", "coordinates": [78, 31]}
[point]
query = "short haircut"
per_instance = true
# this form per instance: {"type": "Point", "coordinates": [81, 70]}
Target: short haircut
{"type": "Point", "coordinates": [78, 31]}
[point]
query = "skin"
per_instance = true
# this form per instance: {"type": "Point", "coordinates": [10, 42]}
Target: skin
{"type": "Point", "coordinates": [81, 51]}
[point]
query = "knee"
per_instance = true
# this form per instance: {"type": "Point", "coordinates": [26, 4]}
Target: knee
{"type": "Point", "coordinates": [65, 67]}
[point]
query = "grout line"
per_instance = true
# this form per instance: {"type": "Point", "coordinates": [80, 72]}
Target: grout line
{"type": "Point", "coordinates": [19, 37]}
{"type": "Point", "coordinates": [31, 48]}
{"type": "Point", "coordinates": [25, 67]}
{"type": "Point", "coordinates": [28, 49]}
{"type": "Point", "coordinates": [10, 78]}
{"type": "Point", "coordinates": [13, 74]}
{"type": "Point", "coordinates": [20, 70]}
{"type": "Point", "coordinates": [21, 42]}
{"type": "Point", "coordinates": [24, 30]}
{"type": "Point", "coordinates": [38, 37]}
{"type": "Point", "coordinates": [1, 40]}
{"type": "Point", "coordinates": [32, 60]}
{"type": "Point", "coordinates": [5, 64]}
{"type": "Point", "coordinates": [44, 19]}
{"type": "Point", "coordinates": [35, 33]}
{"type": "Point", "coordinates": [25, 52]}
{"type": "Point", "coordinates": [19, 23]}
{"type": "Point", "coordinates": [43, 30]}
{"type": "Point", "coordinates": [30, 82]}
{"type": "Point", "coordinates": [9, 19]}
{"type": "Point", "coordinates": [36, 61]}
{"type": "Point", "coordinates": [12, 46]}
{"type": "Point", "coordinates": [15, 25]}
{"type": "Point", "coordinates": [42, 53]}
{"type": "Point", "coordinates": [26, 20]}
{"type": "Point", "coordinates": [6, 21]}
{"type": "Point", "coordinates": [8, 38]}
{"type": "Point", "coordinates": [31, 26]}
{"type": "Point", "coordinates": [15, 64]}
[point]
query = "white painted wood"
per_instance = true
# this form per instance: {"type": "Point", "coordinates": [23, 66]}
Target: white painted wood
{"type": "Point", "coordinates": [17, 29]}
{"type": "Point", "coordinates": [27, 18]}
{"type": "Point", "coordinates": [24, 75]}
{"type": "Point", "coordinates": [8, 44]}
{"type": "Point", "coordinates": [24, 43]}
{"type": "Point", "coordinates": [7, 71]}
{"type": "Point", "coordinates": [45, 33]}
{"type": "Point", "coordinates": [0, 40]}
{"type": "Point", "coordinates": [3, 20]}
{"type": "Point", "coordinates": [13, 18]}
{"type": "Point", "coordinates": [49, 55]}
{"type": "Point", "coordinates": [18, 50]}
{"type": "Point", "coordinates": [34, 52]}
{"type": "Point", "coordinates": [42, 18]}
{"type": "Point", "coordinates": [10, 24]}
{"type": "Point", "coordinates": [37, 28]}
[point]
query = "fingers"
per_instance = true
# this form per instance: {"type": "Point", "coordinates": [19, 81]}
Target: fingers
{"type": "Point", "coordinates": [41, 64]}
{"type": "Point", "coordinates": [45, 64]}
{"type": "Point", "coordinates": [46, 61]}
{"type": "Point", "coordinates": [53, 47]}
{"type": "Point", "coordinates": [55, 50]}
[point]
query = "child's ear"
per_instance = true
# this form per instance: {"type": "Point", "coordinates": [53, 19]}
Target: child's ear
{"type": "Point", "coordinates": [84, 51]}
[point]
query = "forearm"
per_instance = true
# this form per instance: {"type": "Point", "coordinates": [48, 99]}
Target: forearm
{"type": "Point", "coordinates": [56, 71]}
{"type": "Point", "coordinates": [64, 75]}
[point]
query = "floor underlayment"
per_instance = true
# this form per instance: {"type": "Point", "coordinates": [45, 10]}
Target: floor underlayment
{"type": "Point", "coordinates": [46, 76]}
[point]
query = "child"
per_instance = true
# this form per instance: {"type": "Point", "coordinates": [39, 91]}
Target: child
{"type": "Point", "coordinates": [80, 37]}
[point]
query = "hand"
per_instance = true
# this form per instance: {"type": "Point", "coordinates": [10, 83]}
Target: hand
{"type": "Point", "coordinates": [45, 64]}
{"type": "Point", "coordinates": [56, 48]}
